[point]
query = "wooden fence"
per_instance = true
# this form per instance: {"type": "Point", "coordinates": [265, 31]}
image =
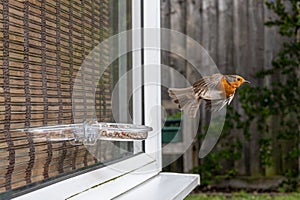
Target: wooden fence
{"type": "Point", "coordinates": [234, 34]}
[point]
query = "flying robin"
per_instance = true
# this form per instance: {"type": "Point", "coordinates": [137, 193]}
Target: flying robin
{"type": "Point", "coordinates": [217, 90]}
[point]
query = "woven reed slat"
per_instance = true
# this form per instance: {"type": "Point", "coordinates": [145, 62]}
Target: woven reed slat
{"type": "Point", "coordinates": [42, 46]}
{"type": "Point", "coordinates": [6, 86]}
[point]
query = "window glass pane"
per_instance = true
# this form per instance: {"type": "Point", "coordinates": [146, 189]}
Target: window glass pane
{"type": "Point", "coordinates": [42, 47]}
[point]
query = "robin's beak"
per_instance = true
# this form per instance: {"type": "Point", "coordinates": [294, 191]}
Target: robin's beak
{"type": "Point", "coordinates": [245, 81]}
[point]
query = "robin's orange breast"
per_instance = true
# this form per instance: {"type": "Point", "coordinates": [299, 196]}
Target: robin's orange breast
{"type": "Point", "coordinates": [229, 88]}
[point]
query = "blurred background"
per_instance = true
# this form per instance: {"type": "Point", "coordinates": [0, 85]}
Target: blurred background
{"type": "Point", "coordinates": [259, 40]}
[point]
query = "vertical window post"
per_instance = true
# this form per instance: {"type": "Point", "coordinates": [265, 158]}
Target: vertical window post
{"type": "Point", "coordinates": [152, 77]}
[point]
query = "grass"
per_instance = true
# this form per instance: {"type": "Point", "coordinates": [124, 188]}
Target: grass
{"type": "Point", "coordinates": [244, 196]}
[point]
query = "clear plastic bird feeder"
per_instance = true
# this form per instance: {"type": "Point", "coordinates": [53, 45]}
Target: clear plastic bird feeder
{"type": "Point", "coordinates": [89, 132]}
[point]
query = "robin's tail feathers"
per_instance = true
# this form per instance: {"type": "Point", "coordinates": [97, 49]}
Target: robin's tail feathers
{"type": "Point", "coordinates": [185, 99]}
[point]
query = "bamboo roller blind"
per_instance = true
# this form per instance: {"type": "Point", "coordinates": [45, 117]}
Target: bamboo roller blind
{"type": "Point", "coordinates": [42, 46]}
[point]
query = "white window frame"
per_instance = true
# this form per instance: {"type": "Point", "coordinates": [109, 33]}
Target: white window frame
{"type": "Point", "coordinates": [110, 182]}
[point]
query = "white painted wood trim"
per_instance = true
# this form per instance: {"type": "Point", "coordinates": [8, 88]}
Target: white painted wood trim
{"type": "Point", "coordinates": [82, 185]}
{"type": "Point", "coordinates": [152, 78]}
{"type": "Point", "coordinates": [164, 186]}
{"type": "Point", "coordinates": [136, 66]}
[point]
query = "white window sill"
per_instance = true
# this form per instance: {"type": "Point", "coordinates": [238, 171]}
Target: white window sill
{"type": "Point", "coordinates": [164, 186]}
{"type": "Point", "coordinates": [107, 182]}
{"type": "Point", "coordinates": [111, 183]}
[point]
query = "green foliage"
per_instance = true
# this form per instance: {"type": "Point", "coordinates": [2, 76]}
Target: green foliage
{"type": "Point", "coordinates": [243, 196]}
{"type": "Point", "coordinates": [227, 151]}
{"type": "Point", "coordinates": [288, 22]}
{"type": "Point", "coordinates": [292, 182]}
{"type": "Point", "coordinates": [211, 170]}
{"type": "Point", "coordinates": [277, 101]}
{"type": "Point", "coordinates": [281, 99]}
{"type": "Point", "coordinates": [176, 115]}
{"type": "Point", "coordinates": [265, 151]}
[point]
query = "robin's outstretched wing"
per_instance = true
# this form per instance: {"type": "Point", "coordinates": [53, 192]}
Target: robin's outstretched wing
{"type": "Point", "coordinates": [210, 88]}
{"type": "Point", "coordinates": [218, 104]}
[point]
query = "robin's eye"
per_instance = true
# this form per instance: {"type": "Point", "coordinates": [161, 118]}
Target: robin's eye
{"type": "Point", "coordinates": [238, 79]}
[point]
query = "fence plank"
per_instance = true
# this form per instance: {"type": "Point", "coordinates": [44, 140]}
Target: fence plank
{"type": "Point", "coordinates": [209, 35]}
{"type": "Point", "coordinates": [256, 48]}
{"type": "Point", "coordinates": [225, 35]}
{"type": "Point", "coordinates": [178, 23]}
{"type": "Point", "coordinates": [271, 50]}
{"type": "Point", "coordinates": [193, 30]}
{"type": "Point", "coordinates": [240, 53]}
